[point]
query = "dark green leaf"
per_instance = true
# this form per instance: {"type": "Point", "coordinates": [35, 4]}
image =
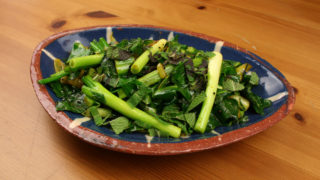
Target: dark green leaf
{"type": "Point", "coordinates": [166, 93]}
{"type": "Point", "coordinates": [185, 92]}
{"type": "Point", "coordinates": [138, 96]}
{"type": "Point", "coordinates": [213, 122]}
{"type": "Point", "coordinates": [226, 109]}
{"type": "Point", "coordinates": [171, 111]}
{"type": "Point", "coordinates": [178, 75]}
{"type": "Point", "coordinates": [197, 100]}
{"type": "Point", "coordinates": [258, 103]}
{"type": "Point", "coordinates": [190, 118]}
{"type": "Point", "coordinates": [227, 68]}
{"type": "Point", "coordinates": [72, 98]}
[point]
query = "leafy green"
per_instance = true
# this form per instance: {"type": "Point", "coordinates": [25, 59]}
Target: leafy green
{"type": "Point", "coordinates": [178, 75]}
{"type": "Point", "coordinates": [190, 118]}
{"type": "Point", "coordinates": [252, 78]}
{"type": "Point", "coordinates": [138, 96]}
{"type": "Point", "coordinates": [197, 100]}
{"type": "Point", "coordinates": [78, 50]}
{"type": "Point", "coordinates": [171, 111]}
{"type": "Point", "coordinates": [128, 85]}
{"type": "Point", "coordinates": [108, 68]}
{"type": "Point", "coordinates": [72, 98]}
{"type": "Point", "coordinates": [185, 92]}
{"type": "Point", "coordinates": [134, 46]}
{"type": "Point", "coordinates": [232, 85]}
{"type": "Point", "coordinates": [258, 103]}
{"type": "Point", "coordinates": [213, 122]}
{"type": "Point", "coordinates": [120, 124]}
{"type": "Point", "coordinates": [96, 116]}
{"type": "Point", "coordinates": [227, 68]}
{"type": "Point", "coordinates": [174, 98]}
{"type": "Point", "coordinates": [226, 109]}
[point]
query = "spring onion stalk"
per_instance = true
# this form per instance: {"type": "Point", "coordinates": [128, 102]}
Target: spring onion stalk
{"type": "Point", "coordinates": [214, 67]}
{"type": "Point", "coordinates": [143, 59]}
{"type": "Point", "coordinates": [75, 64]}
{"type": "Point", "coordinates": [53, 77]}
{"type": "Point", "coordinates": [97, 92]}
{"type": "Point", "coordinates": [85, 61]}
{"type": "Point", "coordinates": [153, 77]}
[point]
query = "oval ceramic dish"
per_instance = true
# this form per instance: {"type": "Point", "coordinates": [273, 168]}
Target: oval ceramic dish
{"type": "Point", "coordinates": [273, 85]}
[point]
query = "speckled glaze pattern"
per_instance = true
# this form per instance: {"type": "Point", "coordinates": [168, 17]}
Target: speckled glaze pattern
{"type": "Point", "coordinates": [271, 83]}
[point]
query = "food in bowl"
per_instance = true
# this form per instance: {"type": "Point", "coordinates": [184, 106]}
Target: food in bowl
{"type": "Point", "coordinates": [158, 87]}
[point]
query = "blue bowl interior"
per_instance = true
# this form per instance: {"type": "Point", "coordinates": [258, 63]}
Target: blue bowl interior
{"type": "Point", "coordinates": [269, 85]}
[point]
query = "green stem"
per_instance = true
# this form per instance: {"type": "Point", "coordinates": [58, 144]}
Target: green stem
{"type": "Point", "coordinates": [143, 59]}
{"type": "Point", "coordinates": [214, 68]}
{"type": "Point", "coordinates": [53, 77]}
{"type": "Point", "coordinates": [153, 77]}
{"type": "Point", "coordinates": [104, 43]}
{"type": "Point", "coordinates": [94, 45]}
{"type": "Point", "coordinates": [97, 92]}
{"type": "Point", "coordinates": [85, 61]}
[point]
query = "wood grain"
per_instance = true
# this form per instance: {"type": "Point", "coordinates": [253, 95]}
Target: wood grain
{"type": "Point", "coordinates": [285, 32]}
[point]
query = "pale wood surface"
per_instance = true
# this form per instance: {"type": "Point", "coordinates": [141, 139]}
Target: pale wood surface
{"type": "Point", "coordinates": [285, 32]}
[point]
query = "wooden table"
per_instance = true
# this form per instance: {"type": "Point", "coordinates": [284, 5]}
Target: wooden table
{"type": "Point", "coordinates": [285, 32]}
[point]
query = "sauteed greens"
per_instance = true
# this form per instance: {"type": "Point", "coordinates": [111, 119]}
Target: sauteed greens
{"type": "Point", "coordinates": [158, 87]}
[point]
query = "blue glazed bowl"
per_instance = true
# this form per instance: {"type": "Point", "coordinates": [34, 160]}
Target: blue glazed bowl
{"type": "Point", "coordinates": [272, 85]}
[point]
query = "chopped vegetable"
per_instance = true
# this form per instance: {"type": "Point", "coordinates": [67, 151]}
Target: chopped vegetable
{"type": "Point", "coordinates": [97, 92]}
{"type": "Point", "coordinates": [143, 59]}
{"type": "Point", "coordinates": [120, 124]}
{"type": "Point", "coordinates": [85, 61]}
{"type": "Point", "coordinates": [156, 87]}
{"type": "Point", "coordinates": [214, 67]}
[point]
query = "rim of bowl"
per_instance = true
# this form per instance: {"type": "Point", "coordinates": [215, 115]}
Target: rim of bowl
{"type": "Point", "coordinates": [107, 142]}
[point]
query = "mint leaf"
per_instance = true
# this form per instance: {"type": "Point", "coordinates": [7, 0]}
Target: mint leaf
{"type": "Point", "coordinates": [190, 118]}
{"type": "Point", "coordinates": [197, 100]}
{"type": "Point", "coordinates": [120, 124]}
{"type": "Point", "coordinates": [254, 78]}
{"type": "Point", "coordinates": [231, 85]}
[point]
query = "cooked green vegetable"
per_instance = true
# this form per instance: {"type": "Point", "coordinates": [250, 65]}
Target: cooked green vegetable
{"type": "Point", "coordinates": [156, 87]}
{"type": "Point", "coordinates": [144, 58]}
{"type": "Point", "coordinates": [153, 77]}
{"type": "Point", "coordinates": [85, 61]}
{"type": "Point", "coordinates": [53, 77]}
{"type": "Point", "coordinates": [214, 67]}
{"type": "Point", "coordinates": [123, 67]}
{"type": "Point", "coordinates": [120, 124]}
{"type": "Point", "coordinates": [99, 93]}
